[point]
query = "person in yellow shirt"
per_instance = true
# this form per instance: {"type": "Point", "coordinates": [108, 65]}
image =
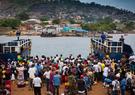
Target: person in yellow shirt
{"type": "Point", "coordinates": [103, 65]}
{"type": "Point", "coordinates": [113, 65]}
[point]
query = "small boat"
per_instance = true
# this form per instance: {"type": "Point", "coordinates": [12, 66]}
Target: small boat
{"type": "Point", "coordinates": [11, 50]}
{"type": "Point", "coordinates": [115, 49]}
{"type": "Point", "coordinates": [46, 34]}
{"type": "Point", "coordinates": [108, 36]}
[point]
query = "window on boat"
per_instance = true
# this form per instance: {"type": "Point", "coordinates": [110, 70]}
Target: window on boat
{"type": "Point", "coordinates": [120, 44]}
{"type": "Point", "coordinates": [7, 49]}
{"type": "Point", "coordinates": [107, 49]}
{"type": "Point", "coordinates": [109, 43]}
{"type": "Point", "coordinates": [113, 49]}
{"type": "Point", "coordinates": [119, 49]}
{"type": "Point", "coordinates": [12, 43]}
{"type": "Point", "coordinates": [1, 48]}
{"type": "Point", "coordinates": [12, 49]}
{"type": "Point", "coordinates": [114, 43]}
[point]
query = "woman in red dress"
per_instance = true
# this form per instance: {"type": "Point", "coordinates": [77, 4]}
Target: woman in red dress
{"type": "Point", "coordinates": [51, 87]}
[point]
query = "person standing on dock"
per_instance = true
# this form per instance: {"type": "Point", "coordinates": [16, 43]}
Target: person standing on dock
{"type": "Point", "coordinates": [47, 78]}
{"type": "Point", "coordinates": [123, 84]}
{"type": "Point", "coordinates": [103, 37]}
{"type": "Point", "coordinates": [122, 39]}
{"type": "Point", "coordinates": [37, 83]}
{"type": "Point", "coordinates": [31, 71]}
{"type": "Point", "coordinates": [116, 86]}
{"type": "Point", "coordinates": [56, 83]}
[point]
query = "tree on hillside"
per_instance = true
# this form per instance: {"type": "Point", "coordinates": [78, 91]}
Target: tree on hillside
{"type": "Point", "coordinates": [105, 26]}
{"type": "Point", "coordinates": [93, 27]}
{"type": "Point", "coordinates": [25, 2]}
{"type": "Point", "coordinates": [106, 20]}
{"type": "Point", "coordinates": [13, 23]}
{"type": "Point", "coordinates": [44, 18]}
{"type": "Point", "coordinates": [85, 26]}
{"type": "Point", "coordinates": [56, 21]}
{"type": "Point", "coordinates": [22, 16]}
{"type": "Point", "coordinates": [72, 21]}
{"type": "Point", "coordinates": [130, 26]}
{"type": "Point", "coordinates": [45, 23]}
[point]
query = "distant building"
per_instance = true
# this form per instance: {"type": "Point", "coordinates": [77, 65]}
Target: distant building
{"type": "Point", "coordinates": [32, 21]}
{"type": "Point", "coordinates": [74, 25]}
{"type": "Point", "coordinates": [38, 27]}
{"type": "Point", "coordinates": [116, 21]}
{"type": "Point", "coordinates": [31, 24]}
{"type": "Point", "coordinates": [73, 28]}
{"type": "Point", "coordinates": [52, 29]}
{"type": "Point", "coordinates": [49, 22]}
{"type": "Point", "coordinates": [23, 27]}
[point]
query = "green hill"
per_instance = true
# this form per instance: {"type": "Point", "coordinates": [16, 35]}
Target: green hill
{"type": "Point", "coordinates": [62, 9]}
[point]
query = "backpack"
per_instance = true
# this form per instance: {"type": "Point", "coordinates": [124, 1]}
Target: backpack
{"type": "Point", "coordinates": [116, 85]}
{"type": "Point", "coordinates": [128, 83]}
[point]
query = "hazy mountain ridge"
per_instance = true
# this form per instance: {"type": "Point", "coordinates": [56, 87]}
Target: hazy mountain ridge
{"type": "Point", "coordinates": [63, 9]}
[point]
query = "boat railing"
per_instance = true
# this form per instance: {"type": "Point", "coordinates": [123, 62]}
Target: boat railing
{"type": "Point", "coordinates": [16, 45]}
{"type": "Point", "coordinates": [25, 43]}
{"type": "Point", "coordinates": [107, 45]}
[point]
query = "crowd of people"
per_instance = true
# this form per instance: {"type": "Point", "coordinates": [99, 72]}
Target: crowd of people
{"type": "Point", "coordinates": [78, 74]}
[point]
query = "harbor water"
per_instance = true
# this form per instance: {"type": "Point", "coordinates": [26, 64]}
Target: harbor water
{"type": "Point", "coordinates": [64, 45]}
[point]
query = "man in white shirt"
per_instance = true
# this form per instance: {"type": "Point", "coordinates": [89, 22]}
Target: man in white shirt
{"type": "Point", "coordinates": [97, 70]}
{"type": "Point", "coordinates": [106, 71]}
{"type": "Point", "coordinates": [116, 87]}
{"type": "Point", "coordinates": [47, 78]}
{"type": "Point", "coordinates": [37, 85]}
{"type": "Point", "coordinates": [31, 71]}
{"type": "Point", "coordinates": [100, 70]}
{"type": "Point", "coordinates": [60, 65]}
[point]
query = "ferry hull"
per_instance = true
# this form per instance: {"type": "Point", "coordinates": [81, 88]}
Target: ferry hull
{"type": "Point", "coordinates": [127, 50]}
{"type": "Point", "coordinates": [101, 55]}
{"type": "Point", "coordinates": [14, 56]}
{"type": "Point", "coordinates": [6, 56]}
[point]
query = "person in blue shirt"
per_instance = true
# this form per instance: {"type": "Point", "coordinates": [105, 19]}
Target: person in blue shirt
{"type": "Point", "coordinates": [123, 84]}
{"type": "Point", "coordinates": [103, 37]}
{"type": "Point", "coordinates": [39, 69]}
{"type": "Point", "coordinates": [56, 83]}
{"type": "Point", "coordinates": [87, 81]}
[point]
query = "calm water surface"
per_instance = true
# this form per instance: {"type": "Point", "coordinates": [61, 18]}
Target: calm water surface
{"type": "Point", "coordinates": [64, 45]}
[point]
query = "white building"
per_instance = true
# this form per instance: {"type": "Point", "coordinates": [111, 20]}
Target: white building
{"type": "Point", "coordinates": [52, 28]}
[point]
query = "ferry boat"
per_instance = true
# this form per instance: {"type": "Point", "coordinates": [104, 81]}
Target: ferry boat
{"type": "Point", "coordinates": [115, 49]}
{"type": "Point", "coordinates": [13, 49]}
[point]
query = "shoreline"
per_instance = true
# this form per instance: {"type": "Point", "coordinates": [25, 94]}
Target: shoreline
{"type": "Point", "coordinates": [69, 35]}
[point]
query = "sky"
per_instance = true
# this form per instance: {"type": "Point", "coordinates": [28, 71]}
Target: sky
{"type": "Point", "coordinates": [121, 4]}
